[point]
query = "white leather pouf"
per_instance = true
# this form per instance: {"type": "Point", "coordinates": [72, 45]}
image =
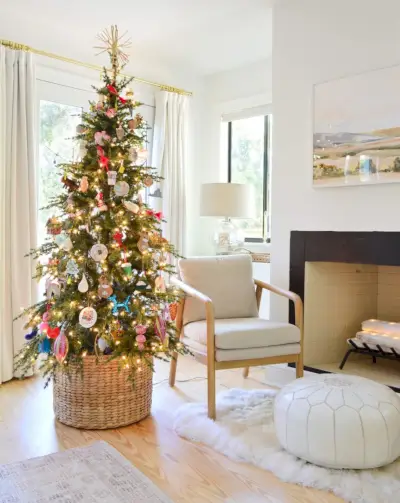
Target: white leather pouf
{"type": "Point", "coordinates": [339, 421]}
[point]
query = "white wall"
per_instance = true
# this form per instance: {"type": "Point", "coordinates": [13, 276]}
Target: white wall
{"type": "Point", "coordinates": [316, 41]}
{"type": "Point", "coordinates": [224, 92]}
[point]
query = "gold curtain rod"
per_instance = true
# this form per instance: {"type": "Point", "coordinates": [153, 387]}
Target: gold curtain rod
{"type": "Point", "coordinates": [21, 47]}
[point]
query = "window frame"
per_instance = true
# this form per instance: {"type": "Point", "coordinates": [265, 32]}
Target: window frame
{"type": "Point", "coordinates": [266, 198]}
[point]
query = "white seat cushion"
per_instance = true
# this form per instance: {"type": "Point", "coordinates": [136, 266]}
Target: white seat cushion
{"type": "Point", "coordinates": [242, 333]}
{"type": "Point", "coordinates": [229, 355]}
{"type": "Point", "coordinates": [226, 279]}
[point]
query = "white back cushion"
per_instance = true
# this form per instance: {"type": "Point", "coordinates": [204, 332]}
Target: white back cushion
{"type": "Point", "coordinates": [226, 279]}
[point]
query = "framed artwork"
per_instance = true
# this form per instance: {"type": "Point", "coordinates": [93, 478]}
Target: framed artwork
{"type": "Point", "coordinates": [356, 137]}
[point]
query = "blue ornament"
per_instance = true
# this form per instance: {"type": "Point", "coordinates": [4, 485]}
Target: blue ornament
{"type": "Point", "coordinates": [44, 346]}
{"type": "Point", "coordinates": [31, 335]}
{"type": "Point", "coordinates": [123, 305]}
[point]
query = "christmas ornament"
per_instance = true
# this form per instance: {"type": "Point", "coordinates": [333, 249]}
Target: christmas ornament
{"type": "Point", "coordinates": [54, 226]}
{"type": "Point", "coordinates": [132, 124]}
{"type": "Point", "coordinates": [139, 120]}
{"type": "Point", "coordinates": [148, 181]}
{"type": "Point", "coordinates": [31, 335]}
{"type": "Point", "coordinates": [53, 333]}
{"type": "Point", "coordinates": [117, 305]}
{"type": "Point", "coordinates": [83, 286]}
{"type": "Point", "coordinates": [160, 285]}
{"type": "Point", "coordinates": [140, 337]}
{"type": "Point", "coordinates": [100, 137]}
{"type": "Point", "coordinates": [127, 268]}
{"type": "Point", "coordinates": [64, 242]}
{"type": "Point", "coordinates": [121, 189]}
{"type": "Point", "coordinates": [122, 100]}
{"type": "Point", "coordinates": [80, 129]}
{"type": "Point", "coordinates": [111, 113]}
{"type": "Point", "coordinates": [88, 317]}
{"type": "Point", "coordinates": [143, 243]}
{"type": "Point", "coordinates": [130, 206]}
{"type": "Point", "coordinates": [133, 155]}
{"type": "Point", "coordinates": [141, 285]}
{"type": "Point", "coordinates": [60, 347]}
{"type": "Point", "coordinates": [69, 184]}
{"type": "Point", "coordinates": [83, 187]}
{"type": "Point", "coordinates": [105, 289]}
{"type": "Point", "coordinates": [98, 252]}
{"type": "Point", "coordinates": [152, 213]}
{"type": "Point", "coordinates": [161, 328]}
{"type": "Point", "coordinates": [111, 177]}
{"type": "Point", "coordinates": [43, 327]}
{"type": "Point", "coordinates": [173, 310]}
{"type": "Point", "coordinates": [103, 162]}
{"type": "Point", "coordinates": [121, 167]}
{"type": "Point", "coordinates": [100, 202]}
{"type": "Point", "coordinates": [99, 105]}
{"type": "Point", "coordinates": [118, 237]}
{"type": "Point", "coordinates": [46, 316]}
{"type": "Point", "coordinates": [112, 90]}
{"type": "Point", "coordinates": [53, 289]}
{"type": "Point", "coordinates": [120, 132]}
{"type": "Point", "coordinates": [44, 346]}
{"type": "Point", "coordinates": [102, 344]}
{"type": "Point", "coordinates": [72, 267]}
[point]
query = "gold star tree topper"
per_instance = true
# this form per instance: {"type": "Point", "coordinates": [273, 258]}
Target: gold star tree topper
{"type": "Point", "coordinates": [114, 45]}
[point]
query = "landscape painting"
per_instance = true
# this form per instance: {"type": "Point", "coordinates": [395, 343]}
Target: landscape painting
{"type": "Point", "coordinates": [357, 129]}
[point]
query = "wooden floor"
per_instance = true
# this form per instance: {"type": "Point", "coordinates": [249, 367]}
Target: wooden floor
{"type": "Point", "coordinates": [185, 471]}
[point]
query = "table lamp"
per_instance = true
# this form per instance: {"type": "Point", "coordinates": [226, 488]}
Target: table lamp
{"type": "Point", "coordinates": [227, 200]}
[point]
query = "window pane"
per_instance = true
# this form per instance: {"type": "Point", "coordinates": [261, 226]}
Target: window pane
{"type": "Point", "coordinates": [247, 166]}
{"type": "Point", "coordinates": [57, 127]}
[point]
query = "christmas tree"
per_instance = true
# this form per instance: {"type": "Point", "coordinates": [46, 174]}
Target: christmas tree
{"type": "Point", "coordinates": [105, 260]}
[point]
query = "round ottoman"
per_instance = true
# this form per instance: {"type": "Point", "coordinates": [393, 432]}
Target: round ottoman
{"type": "Point", "coordinates": [339, 421]}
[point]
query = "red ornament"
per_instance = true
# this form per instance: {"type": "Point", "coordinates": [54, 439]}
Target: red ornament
{"type": "Point", "coordinates": [122, 100]}
{"type": "Point", "coordinates": [152, 213]}
{"type": "Point", "coordinates": [117, 236]}
{"type": "Point", "coordinates": [53, 333]}
{"type": "Point", "coordinates": [100, 150]}
{"type": "Point", "coordinates": [103, 162]}
{"type": "Point", "coordinates": [173, 310]}
{"type": "Point", "coordinates": [112, 90]}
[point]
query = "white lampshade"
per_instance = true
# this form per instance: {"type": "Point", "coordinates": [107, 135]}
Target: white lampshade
{"type": "Point", "coordinates": [234, 200]}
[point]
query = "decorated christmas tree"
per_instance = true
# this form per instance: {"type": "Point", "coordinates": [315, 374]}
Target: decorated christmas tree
{"type": "Point", "coordinates": [105, 261]}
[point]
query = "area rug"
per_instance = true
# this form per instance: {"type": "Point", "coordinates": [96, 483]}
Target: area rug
{"type": "Point", "coordinates": [97, 473]}
{"type": "Point", "coordinates": [244, 431]}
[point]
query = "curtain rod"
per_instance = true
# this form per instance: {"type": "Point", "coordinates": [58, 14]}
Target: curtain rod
{"type": "Point", "coordinates": [21, 47]}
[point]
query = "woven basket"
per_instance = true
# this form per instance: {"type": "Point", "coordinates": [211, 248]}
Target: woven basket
{"type": "Point", "coordinates": [101, 397]}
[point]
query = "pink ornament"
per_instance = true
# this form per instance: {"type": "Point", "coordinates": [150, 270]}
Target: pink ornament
{"type": "Point", "coordinates": [100, 137]}
{"type": "Point", "coordinates": [111, 112]}
{"type": "Point", "coordinates": [161, 328]}
{"type": "Point", "coordinates": [141, 338]}
{"type": "Point", "coordinates": [44, 327]}
{"type": "Point", "coordinates": [141, 329]}
{"type": "Point", "coordinates": [60, 347]}
{"type": "Point", "coordinates": [99, 105]}
{"type": "Point", "coordinates": [46, 316]}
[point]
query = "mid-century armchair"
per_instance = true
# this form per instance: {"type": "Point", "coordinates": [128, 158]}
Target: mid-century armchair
{"type": "Point", "coordinates": [218, 319]}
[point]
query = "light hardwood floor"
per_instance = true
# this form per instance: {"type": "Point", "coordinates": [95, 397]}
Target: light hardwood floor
{"type": "Point", "coordinates": [185, 471]}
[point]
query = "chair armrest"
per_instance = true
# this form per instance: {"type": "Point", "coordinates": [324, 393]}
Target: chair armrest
{"type": "Point", "coordinates": [296, 299]}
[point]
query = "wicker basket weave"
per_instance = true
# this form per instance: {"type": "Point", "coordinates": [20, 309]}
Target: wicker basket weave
{"type": "Point", "coordinates": [101, 397]}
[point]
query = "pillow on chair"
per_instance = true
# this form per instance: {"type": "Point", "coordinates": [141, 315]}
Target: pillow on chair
{"type": "Point", "coordinates": [226, 279]}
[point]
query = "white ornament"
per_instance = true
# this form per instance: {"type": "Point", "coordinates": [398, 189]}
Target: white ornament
{"type": "Point", "coordinates": [88, 317]}
{"type": "Point", "coordinates": [133, 155]}
{"type": "Point", "coordinates": [72, 267]}
{"type": "Point", "coordinates": [99, 252]}
{"type": "Point", "coordinates": [121, 189]}
{"type": "Point", "coordinates": [83, 285]}
{"type": "Point", "coordinates": [64, 242]}
{"type": "Point", "coordinates": [53, 289]}
{"type": "Point", "coordinates": [130, 206]}
{"type": "Point", "coordinates": [111, 177]}
{"type": "Point", "coordinates": [120, 133]}
{"type": "Point", "coordinates": [102, 344]}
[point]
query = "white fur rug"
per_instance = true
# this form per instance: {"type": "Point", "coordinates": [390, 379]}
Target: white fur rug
{"type": "Point", "coordinates": [244, 431]}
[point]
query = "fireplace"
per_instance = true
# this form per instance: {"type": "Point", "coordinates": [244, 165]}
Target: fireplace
{"type": "Point", "coordinates": [345, 278]}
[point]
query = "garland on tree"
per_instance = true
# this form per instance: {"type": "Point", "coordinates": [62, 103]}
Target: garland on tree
{"type": "Point", "coordinates": [106, 259]}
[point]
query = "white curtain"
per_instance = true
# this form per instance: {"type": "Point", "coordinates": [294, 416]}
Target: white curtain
{"type": "Point", "coordinates": [17, 199]}
{"type": "Point", "coordinates": [169, 157]}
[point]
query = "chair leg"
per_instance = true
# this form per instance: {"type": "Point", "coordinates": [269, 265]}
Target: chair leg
{"type": "Point", "coordinates": [246, 372]}
{"type": "Point", "coordinates": [211, 392]}
{"type": "Point", "coordinates": [172, 370]}
{"type": "Point", "coordinates": [300, 367]}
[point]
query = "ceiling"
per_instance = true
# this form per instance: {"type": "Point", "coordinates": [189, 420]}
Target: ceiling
{"type": "Point", "coordinates": [204, 36]}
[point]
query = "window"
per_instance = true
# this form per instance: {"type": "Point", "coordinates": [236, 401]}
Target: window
{"type": "Point", "coordinates": [248, 162]}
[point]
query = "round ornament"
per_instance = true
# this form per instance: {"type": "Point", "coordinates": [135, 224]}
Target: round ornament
{"type": "Point", "coordinates": [148, 181]}
{"type": "Point", "coordinates": [64, 242]}
{"type": "Point", "coordinates": [130, 206]}
{"type": "Point", "coordinates": [99, 252]}
{"type": "Point", "coordinates": [88, 317]}
{"type": "Point", "coordinates": [105, 289]}
{"type": "Point", "coordinates": [121, 189]}
{"type": "Point", "coordinates": [102, 344]}
{"type": "Point", "coordinates": [83, 284]}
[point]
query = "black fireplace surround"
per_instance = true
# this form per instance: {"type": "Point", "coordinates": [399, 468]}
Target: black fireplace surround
{"type": "Point", "coordinates": [378, 248]}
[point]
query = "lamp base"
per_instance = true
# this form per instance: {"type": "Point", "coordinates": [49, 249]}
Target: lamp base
{"type": "Point", "coordinates": [227, 237]}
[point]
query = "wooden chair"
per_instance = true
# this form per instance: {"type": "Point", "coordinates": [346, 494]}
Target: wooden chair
{"type": "Point", "coordinates": [218, 319]}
